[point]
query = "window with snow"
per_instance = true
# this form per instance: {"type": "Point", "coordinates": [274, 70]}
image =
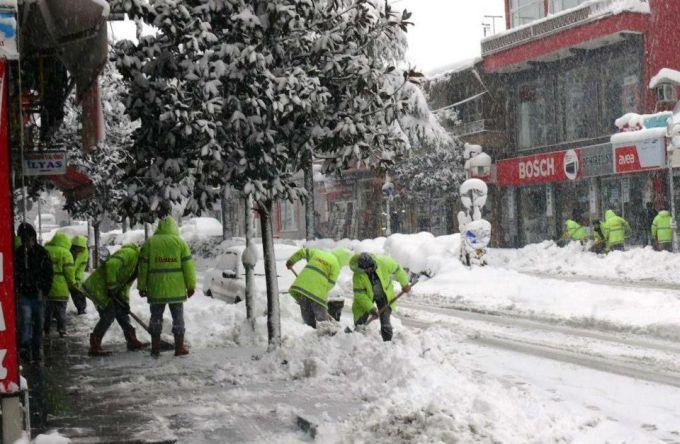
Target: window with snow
{"type": "Point", "coordinates": [622, 87]}
{"type": "Point", "coordinates": [557, 6]}
{"type": "Point", "coordinates": [535, 114]}
{"type": "Point", "coordinates": [578, 104]}
{"type": "Point", "coordinates": [526, 11]}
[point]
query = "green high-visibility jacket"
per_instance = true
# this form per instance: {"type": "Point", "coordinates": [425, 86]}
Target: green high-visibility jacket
{"type": "Point", "coordinates": [575, 231]}
{"type": "Point", "coordinates": [319, 275]}
{"type": "Point", "coordinates": [661, 228]}
{"type": "Point", "coordinates": [81, 258]}
{"type": "Point", "coordinates": [615, 228]}
{"type": "Point", "coordinates": [166, 269]}
{"type": "Point", "coordinates": [387, 269]}
{"type": "Point", "coordinates": [62, 264]}
{"type": "Point", "coordinates": [115, 276]}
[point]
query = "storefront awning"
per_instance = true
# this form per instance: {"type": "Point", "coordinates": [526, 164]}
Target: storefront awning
{"type": "Point", "coordinates": [74, 183]}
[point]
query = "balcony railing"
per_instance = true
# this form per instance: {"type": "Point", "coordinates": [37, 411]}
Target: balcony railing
{"type": "Point", "coordinates": [559, 22]}
{"type": "Point", "coordinates": [475, 127]}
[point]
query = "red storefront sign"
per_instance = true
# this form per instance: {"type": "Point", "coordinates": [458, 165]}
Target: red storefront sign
{"type": "Point", "coordinates": [539, 169]}
{"type": "Point", "coordinates": [9, 366]}
{"type": "Point", "coordinates": [641, 156]}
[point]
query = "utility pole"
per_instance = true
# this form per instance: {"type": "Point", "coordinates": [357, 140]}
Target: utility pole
{"type": "Point", "coordinates": [673, 134]}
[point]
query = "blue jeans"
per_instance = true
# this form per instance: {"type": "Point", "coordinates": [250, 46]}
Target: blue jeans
{"type": "Point", "coordinates": [55, 309]}
{"type": "Point", "coordinates": [156, 323]}
{"type": "Point", "coordinates": [32, 312]}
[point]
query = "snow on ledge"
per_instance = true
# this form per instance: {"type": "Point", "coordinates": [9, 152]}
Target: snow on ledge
{"type": "Point", "coordinates": [598, 8]}
{"type": "Point", "coordinates": [444, 71]}
{"type": "Point", "coordinates": [638, 136]}
{"type": "Point", "coordinates": [666, 75]}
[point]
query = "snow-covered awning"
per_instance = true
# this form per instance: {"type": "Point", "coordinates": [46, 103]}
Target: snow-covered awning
{"type": "Point", "coordinates": [74, 30]}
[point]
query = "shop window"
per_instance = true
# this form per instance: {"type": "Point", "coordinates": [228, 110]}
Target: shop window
{"type": "Point", "coordinates": [560, 5]}
{"type": "Point", "coordinates": [526, 11]}
{"type": "Point", "coordinates": [533, 213]}
{"type": "Point", "coordinates": [535, 114]}
{"type": "Point", "coordinates": [577, 89]}
{"type": "Point", "coordinates": [288, 216]}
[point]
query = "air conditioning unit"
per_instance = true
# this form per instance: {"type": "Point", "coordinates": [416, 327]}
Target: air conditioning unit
{"type": "Point", "coordinates": [666, 93]}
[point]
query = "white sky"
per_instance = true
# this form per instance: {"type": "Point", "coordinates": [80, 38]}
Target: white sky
{"type": "Point", "coordinates": [447, 31]}
{"type": "Point", "coordinates": [444, 31]}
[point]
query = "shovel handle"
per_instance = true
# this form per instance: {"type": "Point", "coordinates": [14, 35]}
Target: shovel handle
{"type": "Point", "coordinates": [293, 271]}
{"type": "Point", "coordinates": [382, 310]}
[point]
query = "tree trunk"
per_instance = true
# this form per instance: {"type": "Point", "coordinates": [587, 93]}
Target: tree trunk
{"type": "Point", "coordinates": [273, 313]}
{"type": "Point", "coordinates": [125, 224]}
{"type": "Point", "coordinates": [226, 215]}
{"type": "Point", "coordinates": [97, 239]}
{"type": "Point", "coordinates": [249, 265]}
{"type": "Point", "coordinates": [310, 229]}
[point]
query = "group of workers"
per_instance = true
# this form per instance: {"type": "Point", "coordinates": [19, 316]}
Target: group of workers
{"type": "Point", "coordinates": [611, 233]}
{"type": "Point", "coordinates": [372, 283]}
{"type": "Point", "coordinates": [45, 277]}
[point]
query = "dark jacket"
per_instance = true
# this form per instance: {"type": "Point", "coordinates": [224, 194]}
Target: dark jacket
{"type": "Point", "coordinates": [37, 277]}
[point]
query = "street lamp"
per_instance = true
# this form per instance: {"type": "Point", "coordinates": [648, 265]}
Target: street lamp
{"type": "Point", "coordinates": [673, 135]}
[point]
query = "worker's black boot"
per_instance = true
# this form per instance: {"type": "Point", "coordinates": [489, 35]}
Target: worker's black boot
{"type": "Point", "coordinates": [180, 349]}
{"type": "Point", "coordinates": [96, 346]}
{"type": "Point", "coordinates": [133, 343]}
{"type": "Point", "coordinates": [156, 346]}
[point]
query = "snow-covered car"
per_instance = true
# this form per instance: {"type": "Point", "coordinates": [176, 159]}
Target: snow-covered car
{"type": "Point", "coordinates": [200, 227]}
{"type": "Point", "coordinates": [226, 281]}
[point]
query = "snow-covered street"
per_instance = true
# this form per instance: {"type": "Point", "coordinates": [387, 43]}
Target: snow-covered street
{"type": "Point", "coordinates": [484, 354]}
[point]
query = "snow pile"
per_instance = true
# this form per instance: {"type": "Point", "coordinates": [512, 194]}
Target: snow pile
{"type": "Point", "coordinates": [443, 72]}
{"type": "Point", "coordinates": [200, 227]}
{"type": "Point", "coordinates": [418, 388]}
{"type": "Point", "coordinates": [666, 75]}
{"type": "Point", "coordinates": [636, 264]}
{"type": "Point", "coordinates": [423, 252]}
{"type": "Point", "coordinates": [51, 438]}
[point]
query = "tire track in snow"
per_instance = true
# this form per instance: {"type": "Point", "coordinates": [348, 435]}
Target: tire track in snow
{"type": "Point", "coordinates": [554, 351]}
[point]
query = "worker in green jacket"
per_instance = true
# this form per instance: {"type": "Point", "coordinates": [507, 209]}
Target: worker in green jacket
{"type": "Point", "coordinates": [166, 277]}
{"type": "Point", "coordinates": [662, 232]}
{"type": "Point", "coordinates": [599, 244]}
{"type": "Point", "coordinates": [311, 287]}
{"type": "Point", "coordinates": [574, 231]}
{"type": "Point", "coordinates": [63, 282]}
{"type": "Point", "coordinates": [109, 289]}
{"type": "Point", "coordinates": [615, 229]}
{"type": "Point", "coordinates": [372, 282]}
{"type": "Point", "coordinates": [80, 258]}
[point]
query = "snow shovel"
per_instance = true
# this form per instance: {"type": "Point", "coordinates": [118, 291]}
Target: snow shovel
{"type": "Point", "coordinates": [382, 310]}
{"type": "Point", "coordinates": [165, 345]}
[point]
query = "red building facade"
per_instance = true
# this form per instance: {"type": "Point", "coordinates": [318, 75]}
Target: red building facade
{"type": "Point", "coordinates": [569, 69]}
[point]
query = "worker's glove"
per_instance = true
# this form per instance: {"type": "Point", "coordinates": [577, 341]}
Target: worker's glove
{"type": "Point", "coordinates": [406, 288]}
{"type": "Point", "coordinates": [142, 293]}
{"type": "Point", "coordinates": [190, 292]}
{"type": "Point", "coordinates": [289, 265]}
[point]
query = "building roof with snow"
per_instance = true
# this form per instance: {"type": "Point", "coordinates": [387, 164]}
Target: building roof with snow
{"type": "Point", "coordinates": [666, 75]}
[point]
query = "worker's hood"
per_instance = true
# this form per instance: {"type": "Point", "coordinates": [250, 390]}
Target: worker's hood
{"type": "Point", "coordinates": [665, 213]}
{"type": "Point", "coordinates": [167, 226]}
{"type": "Point", "coordinates": [60, 240]}
{"type": "Point", "coordinates": [609, 215]}
{"type": "Point", "coordinates": [343, 256]}
{"type": "Point", "coordinates": [79, 241]}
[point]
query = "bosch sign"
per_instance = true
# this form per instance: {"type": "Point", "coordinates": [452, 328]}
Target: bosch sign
{"type": "Point", "coordinates": [539, 169]}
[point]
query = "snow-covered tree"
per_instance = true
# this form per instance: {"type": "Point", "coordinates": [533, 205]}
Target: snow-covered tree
{"type": "Point", "coordinates": [236, 92]}
{"type": "Point", "coordinates": [106, 164]}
